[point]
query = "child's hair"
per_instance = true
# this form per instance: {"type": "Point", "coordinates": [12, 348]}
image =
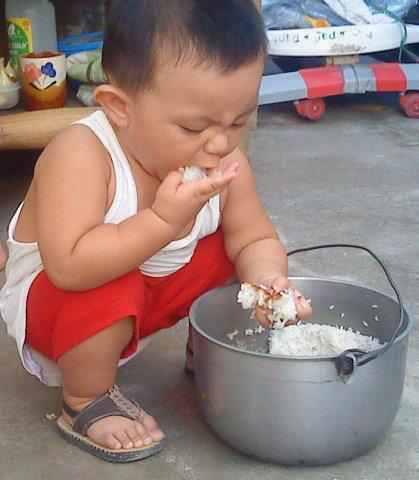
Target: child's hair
{"type": "Point", "coordinates": [225, 33]}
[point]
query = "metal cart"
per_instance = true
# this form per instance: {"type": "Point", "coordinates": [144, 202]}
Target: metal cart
{"type": "Point", "coordinates": [308, 87]}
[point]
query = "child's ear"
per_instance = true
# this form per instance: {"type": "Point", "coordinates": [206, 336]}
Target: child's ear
{"type": "Point", "coordinates": [115, 102]}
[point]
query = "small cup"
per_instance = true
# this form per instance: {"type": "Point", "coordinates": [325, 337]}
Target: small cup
{"type": "Point", "coordinates": [44, 83]}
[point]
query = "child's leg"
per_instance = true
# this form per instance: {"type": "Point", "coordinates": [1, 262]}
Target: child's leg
{"type": "Point", "coordinates": [86, 333]}
{"type": "Point", "coordinates": [173, 296]}
{"type": "Point", "coordinates": [89, 370]}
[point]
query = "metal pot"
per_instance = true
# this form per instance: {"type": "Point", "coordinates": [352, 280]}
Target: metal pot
{"type": "Point", "coordinates": [300, 410]}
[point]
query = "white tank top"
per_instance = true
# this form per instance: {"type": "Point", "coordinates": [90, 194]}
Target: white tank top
{"type": "Point", "coordinates": [25, 263]}
{"type": "Point", "coordinates": [178, 253]}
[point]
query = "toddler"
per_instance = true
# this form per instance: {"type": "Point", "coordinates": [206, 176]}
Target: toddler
{"type": "Point", "coordinates": [140, 208]}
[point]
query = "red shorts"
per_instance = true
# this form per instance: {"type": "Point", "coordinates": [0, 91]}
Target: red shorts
{"type": "Point", "coordinates": [58, 321]}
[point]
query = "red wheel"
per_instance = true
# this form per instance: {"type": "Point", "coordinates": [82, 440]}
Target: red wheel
{"type": "Point", "coordinates": [312, 108]}
{"type": "Point", "coordinates": [410, 104]}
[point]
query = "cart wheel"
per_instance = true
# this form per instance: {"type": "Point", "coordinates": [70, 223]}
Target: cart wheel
{"type": "Point", "coordinates": [312, 108]}
{"type": "Point", "coordinates": [410, 104]}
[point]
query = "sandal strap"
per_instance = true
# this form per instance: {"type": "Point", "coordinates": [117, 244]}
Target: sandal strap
{"type": "Point", "coordinates": [68, 410]}
{"type": "Point", "coordinates": [126, 405]}
{"type": "Point", "coordinates": [111, 404]}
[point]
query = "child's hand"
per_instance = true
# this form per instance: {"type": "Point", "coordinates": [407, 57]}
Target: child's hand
{"type": "Point", "coordinates": [279, 283]}
{"type": "Point", "coordinates": [178, 203]}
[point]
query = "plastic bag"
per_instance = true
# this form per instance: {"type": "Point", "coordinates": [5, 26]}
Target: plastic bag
{"type": "Point", "coordinates": [286, 14]}
{"type": "Point", "coordinates": [398, 8]}
{"type": "Point", "coordinates": [357, 12]}
{"type": "Point", "coordinates": [86, 95]}
{"type": "Point", "coordinates": [86, 67]}
{"type": "Point", "coordinates": [371, 11]}
{"type": "Point", "coordinates": [319, 9]}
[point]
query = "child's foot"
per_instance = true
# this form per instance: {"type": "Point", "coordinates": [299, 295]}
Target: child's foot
{"type": "Point", "coordinates": [114, 432]}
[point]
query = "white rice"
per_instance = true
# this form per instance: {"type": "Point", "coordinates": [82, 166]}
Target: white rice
{"type": "Point", "coordinates": [318, 340]}
{"type": "Point", "coordinates": [191, 174]}
{"type": "Point", "coordinates": [280, 307]}
{"type": "Point", "coordinates": [250, 297]}
{"type": "Point", "coordinates": [283, 309]}
{"type": "Point", "coordinates": [304, 339]}
{"type": "Point", "coordinates": [231, 335]}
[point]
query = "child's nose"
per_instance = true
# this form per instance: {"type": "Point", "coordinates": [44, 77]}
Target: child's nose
{"type": "Point", "coordinates": [219, 145]}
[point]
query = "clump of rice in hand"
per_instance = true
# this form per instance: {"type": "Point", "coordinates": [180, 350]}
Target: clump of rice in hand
{"type": "Point", "coordinates": [191, 174]}
{"type": "Point", "coordinates": [279, 306]}
{"type": "Point", "coordinates": [318, 340]}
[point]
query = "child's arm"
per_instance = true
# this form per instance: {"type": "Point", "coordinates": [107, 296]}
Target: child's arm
{"type": "Point", "coordinates": [3, 257]}
{"type": "Point", "coordinates": [251, 239]}
{"type": "Point", "coordinates": [71, 198]}
{"type": "Point", "coordinates": [79, 251]}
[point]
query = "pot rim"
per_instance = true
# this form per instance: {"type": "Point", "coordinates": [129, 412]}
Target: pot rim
{"type": "Point", "coordinates": [192, 316]}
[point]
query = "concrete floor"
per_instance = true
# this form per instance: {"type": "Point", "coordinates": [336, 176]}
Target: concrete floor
{"type": "Point", "coordinates": [352, 177]}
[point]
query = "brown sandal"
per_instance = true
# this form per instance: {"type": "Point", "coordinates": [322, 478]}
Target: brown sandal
{"type": "Point", "coordinates": [112, 403]}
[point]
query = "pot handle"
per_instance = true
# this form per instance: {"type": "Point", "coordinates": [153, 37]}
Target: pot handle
{"type": "Point", "coordinates": [349, 360]}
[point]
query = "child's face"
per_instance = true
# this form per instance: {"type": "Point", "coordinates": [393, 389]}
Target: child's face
{"type": "Point", "coordinates": [193, 115]}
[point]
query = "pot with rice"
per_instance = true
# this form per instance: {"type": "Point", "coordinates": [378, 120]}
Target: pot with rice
{"type": "Point", "coordinates": [317, 393]}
